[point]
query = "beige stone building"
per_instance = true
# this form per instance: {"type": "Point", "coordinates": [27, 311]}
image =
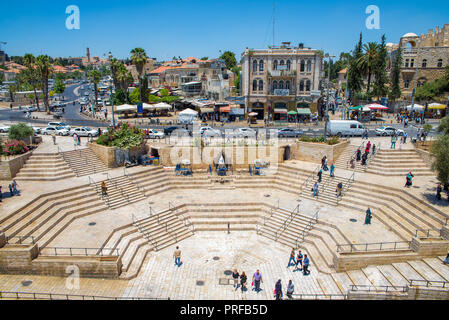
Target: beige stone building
{"type": "Point", "coordinates": [279, 78]}
{"type": "Point", "coordinates": [424, 57]}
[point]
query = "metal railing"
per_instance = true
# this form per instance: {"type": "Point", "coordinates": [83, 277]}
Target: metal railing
{"type": "Point", "coordinates": [306, 230]}
{"type": "Point", "coordinates": [98, 190]}
{"type": "Point", "coordinates": [287, 222]}
{"type": "Point", "coordinates": [311, 296]}
{"type": "Point", "coordinates": [353, 155]}
{"type": "Point", "coordinates": [311, 176]}
{"type": "Point", "coordinates": [63, 296]}
{"type": "Point", "coordinates": [427, 283]}
{"type": "Point", "coordinates": [371, 155]}
{"type": "Point", "coordinates": [346, 187]}
{"type": "Point", "coordinates": [369, 288]}
{"type": "Point", "coordinates": [374, 246]}
{"type": "Point", "coordinates": [62, 251]}
{"type": "Point", "coordinates": [427, 233]}
{"type": "Point", "coordinates": [187, 222]}
{"type": "Point", "coordinates": [21, 240]}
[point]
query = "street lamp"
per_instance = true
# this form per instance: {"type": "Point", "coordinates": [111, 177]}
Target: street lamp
{"type": "Point", "coordinates": [326, 117]}
{"type": "Point", "coordinates": [110, 88]}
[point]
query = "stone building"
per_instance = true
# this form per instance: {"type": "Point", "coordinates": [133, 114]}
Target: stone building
{"type": "Point", "coordinates": [424, 57]}
{"type": "Point", "coordinates": [279, 78]}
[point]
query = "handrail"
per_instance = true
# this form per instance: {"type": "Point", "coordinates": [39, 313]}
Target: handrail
{"type": "Point", "coordinates": [64, 296]}
{"type": "Point", "coordinates": [96, 188]}
{"type": "Point", "coordinates": [428, 283]}
{"type": "Point", "coordinates": [354, 153]}
{"type": "Point", "coordinates": [346, 186]}
{"type": "Point", "coordinates": [323, 188]}
{"type": "Point", "coordinates": [371, 155]}
{"type": "Point", "coordinates": [67, 251]}
{"type": "Point", "coordinates": [312, 296]}
{"type": "Point", "coordinates": [313, 174]}
{"type": "Point", "coordinates": [369, 288]}
{"type": "Point", "coordinates": [379, 246]}
{"type": "Point", "coordinates": [21, 239]}
{"type": "Point", "coordinates": [309, 226]}
{"type": "Point", "coordinates": [427, 233]}
{"type": "Point", "coordinates": [287, 222]}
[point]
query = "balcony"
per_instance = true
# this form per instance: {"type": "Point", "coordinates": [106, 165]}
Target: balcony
{"type": "Point", "coordinates": [282, 92]}
{"type": "Point", "coordinates": [282, 73]}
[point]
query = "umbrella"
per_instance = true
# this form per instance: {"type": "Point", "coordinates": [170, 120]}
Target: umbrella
{"type": "Point", "coordinates": [415, 107]}
{"type": "Point", "coordinates": [436, 106]}
{"type": "Point", "coordinates": [356, 108]}
{"type": "Point", "coordinates": [376, 106]}
{"type": "Point", "coordinates": [252, 114]}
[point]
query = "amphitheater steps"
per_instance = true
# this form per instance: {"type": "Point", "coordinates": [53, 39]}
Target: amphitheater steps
{"type": "Point", "coordinates": [327, 284]}
{"type": "Point", "coordinates": [375, 276]}
{"type": "Point", "coordinates": [393, 275]}
{"type": "Point", "coordinates": [45, 167]}
{"type": "Point", "coordinates": [425, 270]}
{"type": "Point", "coordinates": [358, 277]}
{"type": "Point", "coordinates": [84, 162]}
{"type": "Point", "coordinates": [343, 281]}
{"type": "Point", "coordinates": [342, 161]}
{"type": "Point", "coordinates": [439, 267]}
{"type": "Point", "coordinates": [139, 259]}
{"type": "Point", "coordinates": [407, 271]}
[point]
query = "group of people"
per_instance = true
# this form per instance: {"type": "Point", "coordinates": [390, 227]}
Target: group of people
{"type": "Point", "coordinates": [12, 190]}
{"type": "Point", "coordinates": [76, 140]}
{"type": "Point", "coordinates": [301, 262]}
{"type": "Point", "coordinates": [402, 140]}
{"type": "Point", "coordinates": [324, 166]}
{"type": "Point", "coordinates": [363, 158]}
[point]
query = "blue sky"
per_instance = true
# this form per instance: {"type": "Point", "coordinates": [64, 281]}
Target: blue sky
{"type": "Point", "coordinates": [202, 28]}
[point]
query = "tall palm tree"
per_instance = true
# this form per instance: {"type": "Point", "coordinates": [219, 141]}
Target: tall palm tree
{"type": "Point", "coordinates": [115, 65]}
{"type": "Point", "coordinates": [32, 74]}
{"type": "Point", "coordinates": [139, 59]}
{"type": "Point", "coordinates": [95, 77]}
{"type": "Point", "coordinates": [45, 70]}
{"type": "Point", "coordinates": [367, 61]}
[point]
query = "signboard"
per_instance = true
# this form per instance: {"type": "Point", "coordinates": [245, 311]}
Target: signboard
{"type": "Point", "coordinates": [140, 107]}
{"type": "Point", "coordinates": [281, 92]}
{"type": "Point", "coordinates": [315, 93]}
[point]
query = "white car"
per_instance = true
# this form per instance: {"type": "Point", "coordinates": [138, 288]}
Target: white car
{"type": "Point", "coordinates": [154, 134]}
{"type": "Point", "coordinates": [59, 131]}
{"type": "Point", "coordinates": [210, 132]}
{"type": "Point", "coordinates": [84, 132]}
{"type": "Point", "coordinates": [388, 131]}
{"type": "Point", "coordinates": [29, 109]}
{"type": "Point", "coordinates": [36, 130]}
{"type": "Point", "coordinates": [4, 128]}
{"type": "Point", "coordinates": [59, 124]}
{"type": "Point", "coordinates": [245, 132]}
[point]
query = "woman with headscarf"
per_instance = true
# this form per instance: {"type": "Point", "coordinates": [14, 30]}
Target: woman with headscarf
{"type": "Point", "coordinates": [359, 154]}
{"type": "Point", "coordinates": [320, 174]}
{"type": "Point", "coordinates": [408, 179]}
{"type": "Point", "coordinates": [290, 289]}
{"type": "Point", "coordinates": [278, 290]}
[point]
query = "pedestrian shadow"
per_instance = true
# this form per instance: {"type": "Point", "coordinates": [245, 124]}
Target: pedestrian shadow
{"type": "Point", "coordinates": [431, 198]}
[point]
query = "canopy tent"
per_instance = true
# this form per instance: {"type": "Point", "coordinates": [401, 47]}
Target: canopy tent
{"type": "Point", "coordinates": [355, 108]}
{"type": "Point", "coordinates": [188, 112]}
{"type": "Point", "coordinates": [207, 110]}
{"type": "Point", "coordinates": [253, 114]}
{"type": "Point", "coordinates": [376, 106]}
{"type": "Point", "coordinates": [145, 106]}
{"type": "Point", "coordinates": [304, 111]}
{"type": "Point", "coordinates": [436, 106]}
{"type": "Point", "coordinates": [415, 107]}
{"type": "Point", "coordinates": [225, 109]}
{"type": "Point", "coordinates": [125, 107]}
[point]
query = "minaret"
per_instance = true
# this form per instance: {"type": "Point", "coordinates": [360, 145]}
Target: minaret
{"type": "Point", "coordinates": [88, 55]}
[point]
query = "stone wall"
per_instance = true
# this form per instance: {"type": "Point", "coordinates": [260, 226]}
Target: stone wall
{"type": "Point", "coordinates": [426, 156]}
{"type": "Point", "coordinates": [345, 261]}
{"type": "Point", "coordinates": [429, 247]}
{"type": "Point", "coordinates": [10, 168]}
{"type": "Point", "coordinates": [314, 152]}
{"type": "Point", "coordinates": [364, 295]}
{"type": "Point", "coordinates": [428, 293]}
{"type": "Point", "coordinates": [106, 154]}
{"type": "Point", "coordinates": [444, 232]}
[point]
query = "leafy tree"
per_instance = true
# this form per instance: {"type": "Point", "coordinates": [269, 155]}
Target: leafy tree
{"type": "Point", "coordinates": [45, 70]}
{"type": "Point", "coordinates": [444, 126]}
{"type": "Point", "coordinates": [12, 89]}
{"type": "Point", "coordinates": [366, 62]}
{"type": "Point", "coordinates": [119, 97]}
{"type": "Point", "coordinates": [230, 60]}
{"type": "Point", "coordinates": [355, 77]}
{"type": "Point", "coordinates": [59, 87]}
{"type": "Point", "coordinates": [434, 89]}
{"type": "Point", "coordinates": [440, 149]}
{"type": "Point", "coordinates": [139, 59]}
{"type": "Point", "coordinates": [380, 70]}
{"type": "Point", "coordinates": [20, 131]}
{"type": "Point", "coordinates": [95, 77]}
{"type": "Point", "coordinates": [2, 78]}
{"type": "Point", "coordinates": [164, 92]}
{"type": "Point", "coordinates": [395, 88]}
{"type": "Point", "coordinates": [32, 73]}
{"type": "Point", "coordinates": [204, 58]}
{"type": "Point", "coordinates": [134, 96]}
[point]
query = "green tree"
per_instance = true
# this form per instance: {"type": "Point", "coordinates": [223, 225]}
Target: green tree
{"type": "Point", "coordinates": [395, 88]}
{"type": "Point", "coordinates": [367, 61]}
{"type": "Point", "coordinates": [440, 149]}
{"type": "Point", "coordinates": [204, 58]}
{"type": "Point", "coordinates": [380, 70]}
{"type": "Point", "coordinates": [355, 77]}
{"type": "Point", "coordinates": [20, 131]}
{"type": "Point", "coordinates": [139, 59]}
{"type": "Point", "coordinates": [230, 60]}
{"type": "Point", "coordinates": [444, 126]}
{"type": "Point", "coordinates": [12, 89]}
{"type": "Point", "coordinates": [164, 92]}
{"type": "Point", "coordinates": [45, 71]}
{"type": "Point", "coordinates": [32, 73]}
{"type": "Point", "coordinates": [119, 97]}
{"type": "Point", "coordinates": [95, 77]}
{"type": "Point", "coordinates": [134, 96]}
{"type": "Point", "coordinates": [59, 86]}
{"type": "Point", "coordinates": [2, 78]}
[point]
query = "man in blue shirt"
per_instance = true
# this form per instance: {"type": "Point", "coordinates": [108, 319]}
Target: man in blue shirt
{"type": "Point", "coordinates": [305, 266]}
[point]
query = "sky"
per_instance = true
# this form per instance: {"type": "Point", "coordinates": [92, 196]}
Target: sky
{"type": "Point", "coordinates": [203, 28]}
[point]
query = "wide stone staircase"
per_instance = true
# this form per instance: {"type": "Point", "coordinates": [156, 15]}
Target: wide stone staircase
{"type": "Point", "coordinates": [45, 167]}
{"type": "Point", "coordinates": [121, 191]}
{"type": "Point", "coordinates": [84, 162]}
{"type": "Point", "coordinates": [42, 219]}
{"type": "Point", "coordinates": [394, 162]}
{"type": "Point", "coordinates": [349, 152]}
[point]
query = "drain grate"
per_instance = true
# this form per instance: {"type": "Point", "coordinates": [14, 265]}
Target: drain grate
{"type": "Point", "coordinates": [27, 283]}
{"type": "Point", "coordinates": [353, 220]}
{"type": "Point", "coordinates": [200, 283]}
{"type": "Point", "coordinates": [267, 195]}
{"type": "Point", "coordinates": [216, 258]}
{"type": "Point", "coordinates": [92, 223]}
{"type": "Point", "coordinates": [228, 272]}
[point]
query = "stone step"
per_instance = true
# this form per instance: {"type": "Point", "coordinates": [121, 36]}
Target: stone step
{"type": "Point", "coordinates": [438, 266]}
{"type": "Point", "coordinates": [375, 277]}
{"type": "Point", "coordinates": [343, 281]}
{"type": "Point", "coordinates": [358, 277]}
{"type": "Point", "coordinates": [407, 271]}
{"type": "Point", "coordinates": [393, 275]}
{"type": "Point", "coordinates": [425, 270]}
{"type": "Point", "coordinates": [327, 284]}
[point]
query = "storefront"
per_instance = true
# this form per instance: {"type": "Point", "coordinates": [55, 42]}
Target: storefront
{"type": "Point", "coordinates": [236, 114]}
{"type": "Point", "coordinates": [259, 108]}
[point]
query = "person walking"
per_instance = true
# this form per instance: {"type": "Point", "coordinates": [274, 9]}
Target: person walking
{"type": "Point", "coordinates": [358, 154]}
{"type": "Point", "coordinates": [177, 256]}
{"type": "Point", "coordinates": [14, 187]}
{"type": "Point", "coordinates": [364, 158]}
{"type": "Point", "coordinates": [332, 174]}
{"type": "Point", "coordinates": [374, 149]}
{"type": "Point", "coordinates": [339, 189]}
{"type": "Point", "coordinates": [257, 279]}
{"type": "Point", "coordinates": [320, 174]}
{"type": "Point", "coordinates": [446, 260]}
{"type": "Point", "coordinates": [75, 140]}
{"type": "Point", "coordinates": [325, 167]}
{"type": "Point", "coordinates": [393, 141]}
{"type": "Point", "coordinates": [322, 161]}
{"type": "Point", "coordinates": [104, 189]}
{"type": "Point", "coordinates": [368, 216]}
{"type": "Point", "coordinates": [352, 163]}
{"type": "Point", "coordinates": [315, 189]}
{"type": "Point", "coordinates": [10, 190]}
{"type": "Point", "coordinates": [439, 189]}
{"type": "Point", "coordinates": [291, 261]}
{"type": "Point", "coordinates": [243, 279]}
{"type": "Point", "coordinates": [290, 289]}
{"type": "Point", "coordinates": [1, 194]}
{"type": "Point", "coordinates": [306, 265]}
{"type": "Point", "coordinates": [405, 136]}
{"type": "Point", "coordinates": [401, 141]}
{"type": "Point", "coordinates": [368, 145]}
{"type": "Point", "coordinates": [278, 290]}
{"type": "Point", "coordinates": [408, 179]}
{"type": "Point", "coordinates": [53, 137]}
{"type": "Point", "coordinates": [299, 261]}
{"type": "Point", "coordinates": [235, 276]}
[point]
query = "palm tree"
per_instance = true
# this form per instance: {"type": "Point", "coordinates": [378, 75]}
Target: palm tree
{"type": "Point", "coordinates": [115, 65]}
{"type": "Point", "coordinates": [367, 61]}
{"type": "Point", "coordinates": [45, 70]}
{"type": "Point", "coordinates": [139, 59]}
{"type": "Point", "coordinates": [95, 77]}
{"type": "Point", "coordinates": [32, 74]}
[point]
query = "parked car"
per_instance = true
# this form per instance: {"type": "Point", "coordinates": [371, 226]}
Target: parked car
{"type": "Point", "coordinates": [36, 130]}
{"type": "Point", "coordinates": [345, 128]}
{"type": "Point", "coordinates": [154, 134]}
{"type": "Point", "coordinates": [289, 132]}
{"type": "Point", "coordinates": [388, 131]}
{"type": "Point", "coordinates": [210, 132]}
{"type": "Point", "coordinates": [29, 109]}
{"type": "Point", "coordinates": [4, 128]}
{"type": "Point", "coordinates": [84, 132]}
{"type": "Point", "coordinates": [59, 124]}
{"type": "Point", "coordinates": [245, 132]}
{"type": "Point", "coordinates": [60, 131]}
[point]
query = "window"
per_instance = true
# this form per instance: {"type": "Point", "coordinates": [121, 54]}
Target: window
{"type": "Point", "coordinates": [309, 65]}
{"type": "Point", "coordinates": [440, 63]}
{"type": "Point", "coordinates": [406, 63]}
{"type": "Point", "coordinates": [260, 85]}
{"type": "Point", "coordinates": [275, 65]}
{"type": "Point", "coordinates": [281, 84]}
{"type": "Point", "coordinates": [289, 63]}
{"type": "Point", "coordinates": [406, 83]}
{"type": "Point", "coordinates": [412, 62]}
{"type": "Point", "coordinates": [302, 66]}
{"type": "Point", "coordinates": [254, 66]}
{"type": "Point", "coordinates": [254, 85]}
{"type": "Point", "coordinates": [287, 84]}
{"type": "Point", "coordinates": [275, 85]}
{"type": "Point", "coordinates": [301, 85]}
{"type": "Point", "coordinates": [282, 63]}
{"type": "Point", "coordinates": [424, 63]}
{"type": "Point", "coordinates": [261, 65]}
{"type": "Point", "coordinates": [308, 85]}
{"type": "Point", "coordinates": [353, 126]}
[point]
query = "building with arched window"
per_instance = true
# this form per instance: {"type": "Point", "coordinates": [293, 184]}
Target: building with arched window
{"type": "Point", "coordinates": [280, 76]}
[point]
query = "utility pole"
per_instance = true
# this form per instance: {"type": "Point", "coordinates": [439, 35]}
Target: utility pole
{"type": "Point", "coordinates": [326, 117]}
{"type": "Point", "coordinates": [415, 82]}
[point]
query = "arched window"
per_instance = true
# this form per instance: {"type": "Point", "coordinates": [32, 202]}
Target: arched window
{"type": "Point", "coordinates": [287, 84]}
{"type": "Point", "coordinates": [308, 85]}
{"type": "Point", "coordinates": [406, 63]}
{"type": "Point", "coordinates": [254, 65]}
{"type": "Point", "coordinates": [275, 85]}
{"type": "Point", "coordinates": [302, 66]}
{"type": "Point", "coordinates": [254, 85]}
{"type": "Point", "coordinates": [260, 85]}
{"type": "Point", "coordinates": [289, 63]}
{"type": "Point", "coordinates": [412, 63]}
{"type": "Point", "coordinates": [281, 84]}
{"type": "Point", "coordinates": [275, 65]}
{"type": "Point", "coordinates": [440, 63]}
{"type": "Point", "coordinates": [301, 85]}
{"type": "Point", "coordinates": [424, 63]}
{"type": "Point", "coordinates": [309, 66]}
{"type": "Point", "coordinates": [261, 65]}
{"type": "Point", "coordinates": [282, 63]}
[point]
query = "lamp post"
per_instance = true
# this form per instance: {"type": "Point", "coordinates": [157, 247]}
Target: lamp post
{"type": "Point", "coordinates": [327, 102]}
{"type": "Point", "coordinates": [110, 88]}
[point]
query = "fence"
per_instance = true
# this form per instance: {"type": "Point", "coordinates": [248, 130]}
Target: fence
{"type": "Point", "coordinates": [427, 283]}
{"type": "Point", "coordinates": [346, 187]}
{"type": "Point", "coordinates": [368, 288]}
{"type": "Point", "coordinates": [21, 240]}
{"type": "Point", "coordinates": [374, 246]}
{"type": "Point", "coordinates": [306, 230]}
{"type": "Point", "coordinates": [427, 233]}
{"type": "Point", "coordinates": [62, 296]}
{"type": "Point", "coordinates": [311, 296]}
{"type": "Point", "coordinates": [61, 251]}
{"type": "Point", "coordinates": [311, 176]}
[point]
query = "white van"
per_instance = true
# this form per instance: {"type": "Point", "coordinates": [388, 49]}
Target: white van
{"type": "Point", "coordinates": [344, 128]}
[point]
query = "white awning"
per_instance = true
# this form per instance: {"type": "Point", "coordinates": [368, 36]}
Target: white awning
{"type": "Point", "coordinates": [188, 112]}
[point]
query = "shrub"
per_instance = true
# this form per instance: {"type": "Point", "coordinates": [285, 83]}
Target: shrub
{"type": "Point", "coordinates": [20, 131]}
{"type": "Point", "coordinates": [320, 139]}
{"type": "Point", "coordinates": [15, 147]}
{"type": "Point", "coordinates": [123, 136]}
